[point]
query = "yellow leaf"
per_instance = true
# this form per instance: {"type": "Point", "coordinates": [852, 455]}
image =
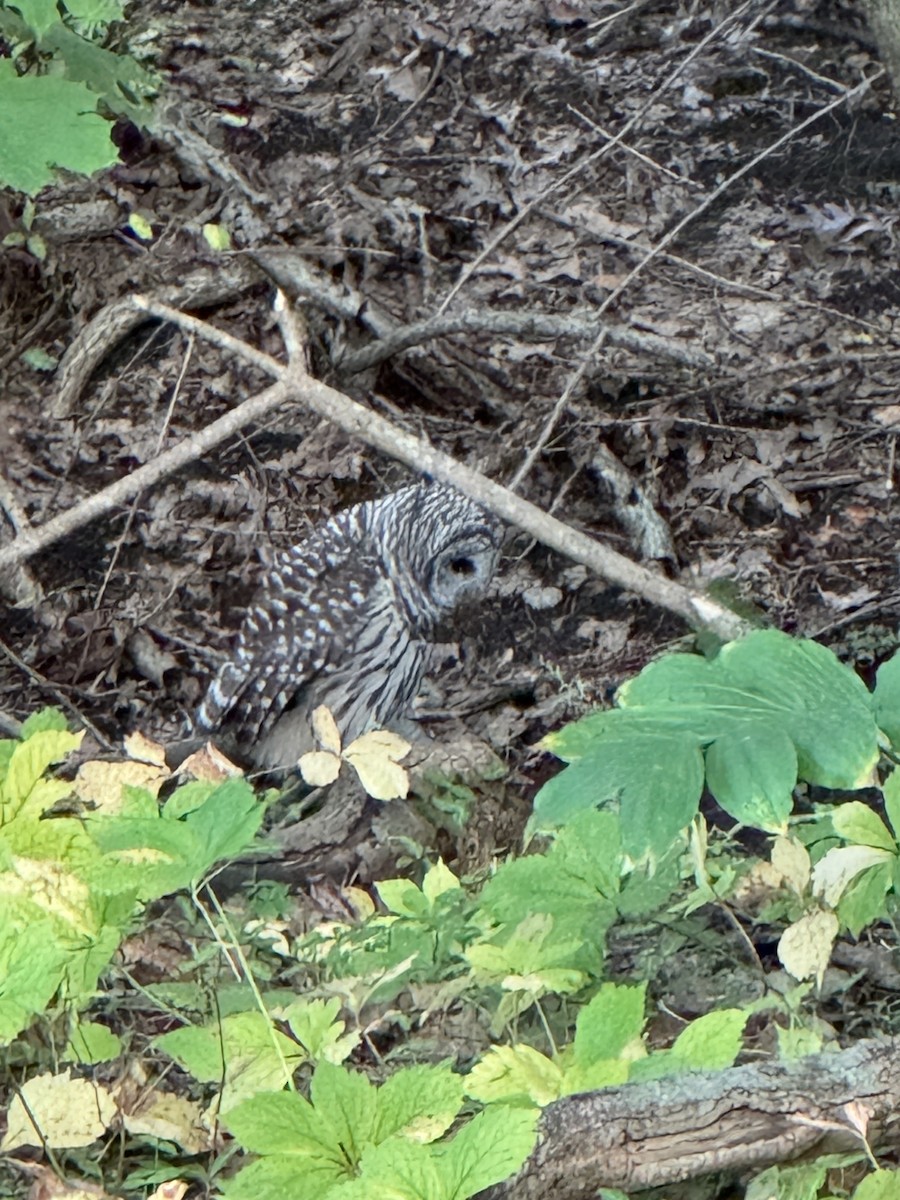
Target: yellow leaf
{"type": "Point", "coordinates": [171, 1119]}
{"type": "Point", "coordinates": [325, 729]}
{"type": "Point", "coordinates": [68, 1112]}
{"type": "Point", "coordinates": [380, 742]}
{"type": "Point", "coordinates": [100, 783]}
{"type": "Point", "coordinates": [319, 767]}
{"type": "Point", "coordinates": [138, 745]}
{"type": "Point", "coordinates": [382, 778]}
{"type": "Point", "coordinates": [805, 946]}
{"type": "Point", "coordinates": [791, 859]}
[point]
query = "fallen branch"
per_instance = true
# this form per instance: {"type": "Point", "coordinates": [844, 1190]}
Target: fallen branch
{"type": "Point", "coordinates": [644, 1135]}
{"type": "Point", "coordinates": [698, 610]}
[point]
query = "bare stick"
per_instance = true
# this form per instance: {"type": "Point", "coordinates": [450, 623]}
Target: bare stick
{"type": "Point", "coordinates": [355, 419]}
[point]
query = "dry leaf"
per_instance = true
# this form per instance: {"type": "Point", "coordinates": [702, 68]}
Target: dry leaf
{"type": "Point", "coordinates": [805, 946]}
{"type": "Point", "coordinates": [101, 783]}
{"type": "Point", "coordinates": [325, 729]}
{"type": "Point", "coordinates": [138, 746]}
{"type": "Point", "coordinates": [375, 758]}
{"type": "Point", "coordinates": [68, 1112]}
{"type": "Point", "coordinates": [210, 765]}
{"type": "Point", "coordinates": [319, 767]}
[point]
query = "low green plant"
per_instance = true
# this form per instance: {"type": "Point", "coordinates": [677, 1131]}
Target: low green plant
{"type": "Point", "coordinates": [749, 724]}
{"type": "Point", "coordinates": [59, 88]}
{"type": "Point", "coordinates": [72, 882]}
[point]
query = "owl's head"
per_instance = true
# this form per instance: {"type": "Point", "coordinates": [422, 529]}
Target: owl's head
{"type": "Point", "coordinates": [440, 547]}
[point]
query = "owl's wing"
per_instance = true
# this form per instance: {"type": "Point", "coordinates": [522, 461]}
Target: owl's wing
{"type": "Point", "coordinates": [306, 608]}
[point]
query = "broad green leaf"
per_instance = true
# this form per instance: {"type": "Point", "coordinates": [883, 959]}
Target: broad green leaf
{"type": "Point", "coordinates": [28, 762]}
{"type": "Point", "coordinates": [283, 1176]}
{"type": "Point", "coordinates": [224, 824]}
{"type": "Point", "coordinates": [712, 1042]}
{"type": "Point", "coordinates": [45, 719]}
{"type": "Point", "coordinates": [438, 880]}
{"type": "Point", "coordinates": [31, 968]}
{"type": "Point", "coordinates": [398, 1170]}
{"type": "Point", "coordinates": [886, 699]}
{"type": "Point", "coordinates": [856, 822]}
{"type": "Point", "coordinates": [657, 780]}
{"type": "Point", "coordinates": [96, 11]}
{"type": "Point", "coordinates": [241, 1051]}
{"type": "Point", "coordinates": [515, 1073]}
{"type": "Point", "coordinates": [118, 78]}
{"type": "Point", "coordinates": [490, 1148]}
{"type": "Point", "coordinates": [825, 707]}
{"type": "Point", "coordinates": [38, 15]}
{"type": "Point", "coordinates": [880, 1185]}
{"type": "Point", "coordinates": [863, 901]}
{"type": "Point", "coordinates": [283, 1123]}
{"type": "Point", "coordinates": [49, 123]}
{"type": "Point", "coordinates": [347, 1101]}
{"type": "Point", "coordinates": [611, 1024]}
{"type": "Point", "coordinates": [891, 793]}
{"type": "Point", "coordinates": [421, 1102]}
{"type": "Point", "coordinates": [403, 897]}
{"type": "Point", "coordinates": [752, 775]}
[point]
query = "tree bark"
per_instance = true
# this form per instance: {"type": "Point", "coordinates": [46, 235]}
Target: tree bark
{"type": "Point", "coordinates": [645, 1135]}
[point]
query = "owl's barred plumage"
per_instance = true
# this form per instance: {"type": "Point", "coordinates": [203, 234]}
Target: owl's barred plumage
{"type": "Point", "coordinates": [343, 619]}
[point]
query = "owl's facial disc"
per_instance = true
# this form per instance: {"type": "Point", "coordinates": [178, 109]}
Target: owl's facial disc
{"type": "Point", "coordinates": [463, 569]}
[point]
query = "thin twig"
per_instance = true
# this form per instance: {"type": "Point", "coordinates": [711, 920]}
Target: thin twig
{"type": "Point", "coordinates": [594, 157]}
{"type": "Point", "coordinates": [358, 421]}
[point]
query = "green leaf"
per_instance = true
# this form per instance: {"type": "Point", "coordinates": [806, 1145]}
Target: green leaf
{"type": "Point", "coordinates": [575, 882]}
{"type": "Point", "coordinates": [886, 699]}
{"type": "Point", "coordinates": [49, 123]}
{"type": "Point", "coordinates": [38, 15]}
{"type": "Point", "coordinates": [283, 1123]}
{"type": "Point", "coordinates": [656, 778]}
{"type": "Point", "coordinates": [856, 822]}
{"type": "Point", "coordinates": [403, 897]}
{"type": "Point", "coordinates": [752, 776]}
{"type": "Point", "coordinates": [92, 1043]}
{"type": "Point", "coordinates": [348, 1102]}
{"type": "Point", "coordinates": [241, 1052]}
{"type": "Point", "coordinates": [28, 762]}
{"type": "Point", "coordinates": [315, 1025]}
{"type": "Point", "coordinates": [863, 900]}
{"type": "Point", "coordinates": [611, 1023]}
{"type": "Point", "coordinates": [515, 1073]}
{"type": "Point", "coordinates": [217, 237]}
{"type": "Point", "coordinates": [285, 1175]}
{"type": "Point", "coordinates": [880, 1185]}
{"type": "Point", "coordinates": [45, 719]}
{"type": "Point", "coordinates": [140, 227]}
{"type": "Point", "coordinates": [118, 79]}
{"type": "Point", "coordinates": [224, 824]}
{"type": "Point", "coordinates": [712, 1042]}
{"type": "Point", "coordinates": [891, 793]}
{"type": "Point", "coordinates": [421, 1102]}
{"type": "Point", "coordinates": [490, 1148]}
{"type": "Point", "coordinates": [94, 12]}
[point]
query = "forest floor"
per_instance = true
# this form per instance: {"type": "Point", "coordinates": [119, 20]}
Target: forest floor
{"type": "Point", "coordinates": [412, 153]}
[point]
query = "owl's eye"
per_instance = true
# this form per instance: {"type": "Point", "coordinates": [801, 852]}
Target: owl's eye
{"type": "Point", "coordinates": [462, 566]}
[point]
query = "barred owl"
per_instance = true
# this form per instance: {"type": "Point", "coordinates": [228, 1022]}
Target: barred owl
{"type": "Point", "coordinates": [344, 618]}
